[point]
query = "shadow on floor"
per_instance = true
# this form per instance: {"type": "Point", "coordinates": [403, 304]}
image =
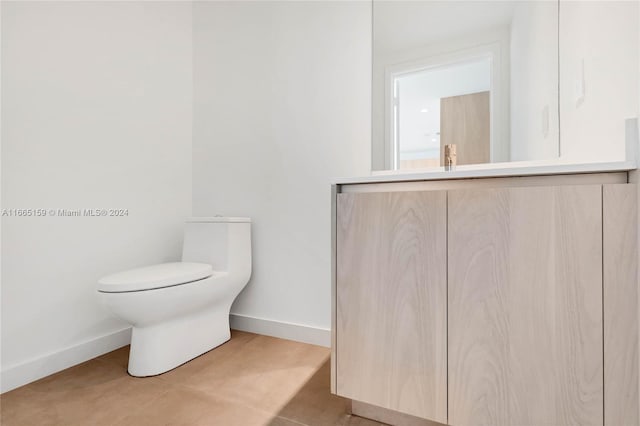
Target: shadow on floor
{"type": "Point", "coordinates": [314, 405]}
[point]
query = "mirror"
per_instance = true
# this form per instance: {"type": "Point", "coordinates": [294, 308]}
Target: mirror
{"type": "Point", "coordinates": [494, 78]}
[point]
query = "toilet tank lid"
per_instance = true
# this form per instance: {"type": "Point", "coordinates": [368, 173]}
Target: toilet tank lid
{"type": "Point", "coordinates": [214, 219]}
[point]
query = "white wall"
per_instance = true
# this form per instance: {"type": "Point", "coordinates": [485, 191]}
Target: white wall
{"type": "Point", "coordinates": [96, 113]}
{"type": "Point", "coordinates": [281, 106]}
{"type": "Point", "coordinates": [534, 81]}
{"type": "Point", "coordinates": [602, 35]}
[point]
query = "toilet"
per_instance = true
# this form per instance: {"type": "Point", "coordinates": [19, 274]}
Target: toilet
{"type": "Point", "coordinates": [180, 310]}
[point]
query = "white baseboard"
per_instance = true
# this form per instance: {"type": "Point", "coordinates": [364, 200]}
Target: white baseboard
{"type": "Point", "coordinates": [283, 330]}
{"type": "Point", "coordinates": [29, 371]}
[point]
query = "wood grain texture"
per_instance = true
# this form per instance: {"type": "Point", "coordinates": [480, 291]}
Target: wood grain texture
{"type": "Point", "coordinates": [620, 253]}
{"type": "Point", "coordinates": [465, 120]}
{"type": "Point", "coordinates": [525, 306]}
{"type": "Point", "coordinates": [391, 301]}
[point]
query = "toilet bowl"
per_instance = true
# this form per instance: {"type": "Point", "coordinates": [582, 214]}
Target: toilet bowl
{"type": "Point", "coordinates": [180, 310]}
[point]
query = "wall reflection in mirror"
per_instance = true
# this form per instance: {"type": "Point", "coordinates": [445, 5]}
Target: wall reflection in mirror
{"type": "Point", "coordinates": [496, 77]}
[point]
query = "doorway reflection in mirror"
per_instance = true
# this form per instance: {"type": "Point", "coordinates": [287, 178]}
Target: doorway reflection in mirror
{"type": "Point", "coordinates": [479, 74]}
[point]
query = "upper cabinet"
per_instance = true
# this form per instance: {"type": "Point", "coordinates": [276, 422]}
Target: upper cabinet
{"type": "Point", "coordinates": [599, 57]}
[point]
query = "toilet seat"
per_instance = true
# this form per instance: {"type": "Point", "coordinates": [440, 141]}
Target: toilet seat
{"type": "Point", "coordinates": [154, 277]}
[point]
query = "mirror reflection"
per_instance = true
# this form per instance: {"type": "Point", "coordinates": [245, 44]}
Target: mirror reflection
{"type": "Point", "coordinates": [482, 76]}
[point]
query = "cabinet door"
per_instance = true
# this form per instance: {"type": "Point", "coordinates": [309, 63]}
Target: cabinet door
{"type": "Point", "coordinates": [620, 260]}
{"type": "Point", "coordinates": [391, 301]}
{"type": "Point", "coordinates": [525, 306]}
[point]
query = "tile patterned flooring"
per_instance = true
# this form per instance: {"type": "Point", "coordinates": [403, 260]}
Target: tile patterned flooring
{"type": "Point", "coordinates": [250, 380]}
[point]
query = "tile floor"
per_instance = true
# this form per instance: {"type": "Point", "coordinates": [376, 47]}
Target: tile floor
{"type": "Point", "coordinates": [250, 380]}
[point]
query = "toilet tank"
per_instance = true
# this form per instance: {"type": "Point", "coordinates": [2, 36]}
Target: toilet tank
{"type": "Point", "coordinates": [223, 242]}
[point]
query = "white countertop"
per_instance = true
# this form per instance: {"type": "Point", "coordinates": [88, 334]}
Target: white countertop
{"type": "Point", "coordinates": [516, 168]}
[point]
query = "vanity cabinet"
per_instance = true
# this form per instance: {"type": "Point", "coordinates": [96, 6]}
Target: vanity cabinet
{"type": "Point", "coordinates": [392, 301]}
{"type": "Point", "coordinates": [504, 305]}
{"type": "Point", "coordinates": [525, 306]}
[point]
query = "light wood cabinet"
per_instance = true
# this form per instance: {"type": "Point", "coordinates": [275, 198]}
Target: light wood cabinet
{"type": "Point", "coordinates": [525, 306]}
{"type": "Point", "coordinates": [620, 304]}
{"type": "Point", "coordinates": [391, 301]}
{"type": "Point", "coordinates": [502, 305]}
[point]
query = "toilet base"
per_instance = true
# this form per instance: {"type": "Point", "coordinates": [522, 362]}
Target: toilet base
{"type": "Point", "coordinates": [162, 347]}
